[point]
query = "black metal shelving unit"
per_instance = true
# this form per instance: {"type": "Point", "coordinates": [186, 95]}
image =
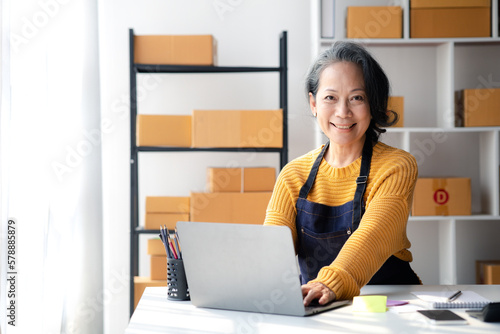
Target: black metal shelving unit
{"type": "Point", "coordinates": [135, 229]}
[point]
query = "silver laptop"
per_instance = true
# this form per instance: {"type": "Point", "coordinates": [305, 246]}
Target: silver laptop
{"type": "Point", "coordinates": [243, 267]}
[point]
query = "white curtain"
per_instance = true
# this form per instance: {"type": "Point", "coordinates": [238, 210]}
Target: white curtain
{"type": "Point", "coordinates": [53, 163]}
{"type": "Point", "coordinates": [4, 116]}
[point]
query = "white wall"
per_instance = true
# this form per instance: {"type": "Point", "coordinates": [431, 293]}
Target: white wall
{"type": "Point", "coordinates": [247, 33]}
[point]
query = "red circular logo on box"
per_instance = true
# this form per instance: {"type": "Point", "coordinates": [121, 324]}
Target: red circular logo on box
{"type": "Point", "coordinates": [441, 196]}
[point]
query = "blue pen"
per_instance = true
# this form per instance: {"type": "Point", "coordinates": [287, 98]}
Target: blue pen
{"type": "Point", "coordinates": [164, 241]}
{"type": "Point", "coordinates": [161, 238]}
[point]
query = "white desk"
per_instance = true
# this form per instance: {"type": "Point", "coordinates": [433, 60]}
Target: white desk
{"type": "Point", "coordinates": [156, 314]}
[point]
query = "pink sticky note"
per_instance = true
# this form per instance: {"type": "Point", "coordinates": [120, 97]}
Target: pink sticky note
{"type": "Point", "coordinates": [396, 302]}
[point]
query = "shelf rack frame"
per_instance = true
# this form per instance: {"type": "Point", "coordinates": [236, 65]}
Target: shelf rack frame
{"type": "Point", "coordinates": [135, 69]}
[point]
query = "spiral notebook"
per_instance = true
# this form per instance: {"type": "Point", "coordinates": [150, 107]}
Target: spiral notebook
{"type": "Point", "coordinates": [439, 299]}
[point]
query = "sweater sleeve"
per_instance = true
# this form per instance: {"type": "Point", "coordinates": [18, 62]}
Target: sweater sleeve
{"type": "Point", "coordinates": [381, 233]}
{"type": "Point", "coordinates": [281, 209]}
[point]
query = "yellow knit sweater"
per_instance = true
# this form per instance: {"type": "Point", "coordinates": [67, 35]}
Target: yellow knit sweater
{"type": "Point", "coordinates": [382, 230]}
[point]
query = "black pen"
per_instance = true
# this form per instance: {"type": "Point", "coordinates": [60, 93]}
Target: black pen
{"type": "Point", "coordinates": [164, 244]}
{"type": "Point", "coordinates": [454, 296]}
{"type": "Point", "coordinates": [177, 243]}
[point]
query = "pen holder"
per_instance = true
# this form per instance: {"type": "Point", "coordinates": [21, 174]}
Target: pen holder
{"type": "Point", "coordinates": [176, 280]}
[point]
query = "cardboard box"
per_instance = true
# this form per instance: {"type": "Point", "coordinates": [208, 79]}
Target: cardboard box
{"type": "Point", "coordinates": [450, 18]}
{"type": "Point", "coordinates": [396, 103]}
{"type": "Point", "coordinates": [237, 128]}
{"type": "Point", "coordinates": [488, 272]}
{"type": "Point", "coordinates": [477, 107]}
{"type": "Point", "coordinates": [442, 197]}
{"type": "Point", "coordinates": [155, 247]}
{"type": "Point", "coordinates": [174, 49]}
{"type": "Point", "coordinates": [244, 179]}
{"type": "Point", "coordinates": [258, 179]}
{"type": "Point", "coordinates": [164, 130]}
{"type": "Point", "coordinates": [158, 267]}
{"type": "Point", "coordinates": [141, 283]}
{"type": "Point", "coordinates": [237, 208]}
{"type": "Point", "coordinates": [375, 22]}
{"type": "Point", "coordinates": [167, 204]}
{"type": "Point", "coordinates": [153, 221]}
{"type": "Point", "coordinates": [492, 273]}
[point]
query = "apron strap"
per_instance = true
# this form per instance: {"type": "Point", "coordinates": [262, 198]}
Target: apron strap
{"type": "Point", "coordinates": [361, 182]}
{"type": "Point", "coordinates": [304, 191]}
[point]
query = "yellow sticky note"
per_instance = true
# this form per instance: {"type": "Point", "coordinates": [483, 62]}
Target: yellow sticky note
{"type": "Point", "coordinates": [369, 304]}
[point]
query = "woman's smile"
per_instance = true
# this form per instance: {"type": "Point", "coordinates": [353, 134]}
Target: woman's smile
{"type": "Point", "coordinates": [343, 126]}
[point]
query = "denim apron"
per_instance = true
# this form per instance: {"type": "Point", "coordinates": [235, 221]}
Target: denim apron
{"type": "Point", "coordinates": [323, 230]}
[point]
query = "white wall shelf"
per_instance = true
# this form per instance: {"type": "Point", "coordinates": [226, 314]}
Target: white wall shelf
{"type": "Point", "coordinates": [427, 72]}
{"type": "Point", "coordinates": [456, 218]}
{"type": "Point", "coordinates": [337, 28]}
{"type": "Point", "coordinates": [450, 130]}
{"type": "Point", "coordinates": [414, 41]}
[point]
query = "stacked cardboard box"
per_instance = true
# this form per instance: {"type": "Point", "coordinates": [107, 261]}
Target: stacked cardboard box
{"type": "Point", "coordinates": [158, 259]}
{"type": "Point", "coordinates": [477, 107]}
{"type": "Point", "coordinates": [212, 128]}
{"type": "Point", "coordinates": [244, 179]}
{"type": "Point", "coordinates": [236, 195]}
{"type": "Point", "coordinates": [158, 269]}
{"type": "Point", "coordinates": [442, 197]}
{"type": "Point", "coordinates": [237, 128]}
{"type": "Point", "coordinates": [450, 18]}
{"type": "Point", "coordinates": [166, 210]}
{"type": "Point", "coordinates": [397, 104]}
{"type": "Point", "coordinates": [375, 22]}
{"type": "Point", "coordinates": [175, 49]}
{"type": "Point", "coordinates": [488, 272]}
{"type": "Point", "coordinates": [164, 130]}
{"type": "Point", "coordinates": [237, 208]}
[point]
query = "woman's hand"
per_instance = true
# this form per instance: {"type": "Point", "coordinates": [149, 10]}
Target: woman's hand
{"type": "Point", "coordinates": [319, 291]}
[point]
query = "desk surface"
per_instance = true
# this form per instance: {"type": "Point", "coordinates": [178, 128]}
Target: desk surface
{"type": "Point", "coordinates": [156, 314]}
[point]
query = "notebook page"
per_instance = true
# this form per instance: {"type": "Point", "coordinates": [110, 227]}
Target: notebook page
{"type": "Point", "coordinates": [439, 299]}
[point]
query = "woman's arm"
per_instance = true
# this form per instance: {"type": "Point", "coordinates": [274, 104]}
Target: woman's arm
{"type": "Point", "coordinates": [382, 231]}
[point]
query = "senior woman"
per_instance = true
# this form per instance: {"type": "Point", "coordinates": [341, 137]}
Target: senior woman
{"type": "Point", "coordinates": [347, 202]}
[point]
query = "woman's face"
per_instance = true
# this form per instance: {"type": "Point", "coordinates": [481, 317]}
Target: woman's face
{"type": "Point", "coordinates": [341, 105]}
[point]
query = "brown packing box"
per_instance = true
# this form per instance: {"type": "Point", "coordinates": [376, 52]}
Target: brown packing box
{"type": "Point", "coordinates": [158, 267]}
{"type": "Point", "coordinates": [477, 107]}
{"type": "Point", "coordinates": [224, 179]}
{"type": "Point", "coordinates": [442, 197]}
{"type": "Point", "coordinates": [396, 103]}
{"type": "Point", "coordinates": [174, 49]}
{"type": "Point", "coordinates": [153, 221]}
{"type": "Point", "coordinates": [155, 247]}
{"type": "Point", "coordinates": [244, 179]}
{"type": "Point", "coordinates": [375, 22]}
{"type": "Point", "coordinates": [238, 208]}
{"type": "Point", "coordinates": [164, 130]}
{"type": "Point", "coordinates": [141, 283]}
{"type": "Point", "coordinates": [450, 18]}
{"type": "Point", "coordinates": [258, 179]}
{"type": "Point", "coordinates": [237, 128]}
{"type": "Point", "coordinates": [488, 272]}
{"type": "Point", "coordinates": [167, 204]}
